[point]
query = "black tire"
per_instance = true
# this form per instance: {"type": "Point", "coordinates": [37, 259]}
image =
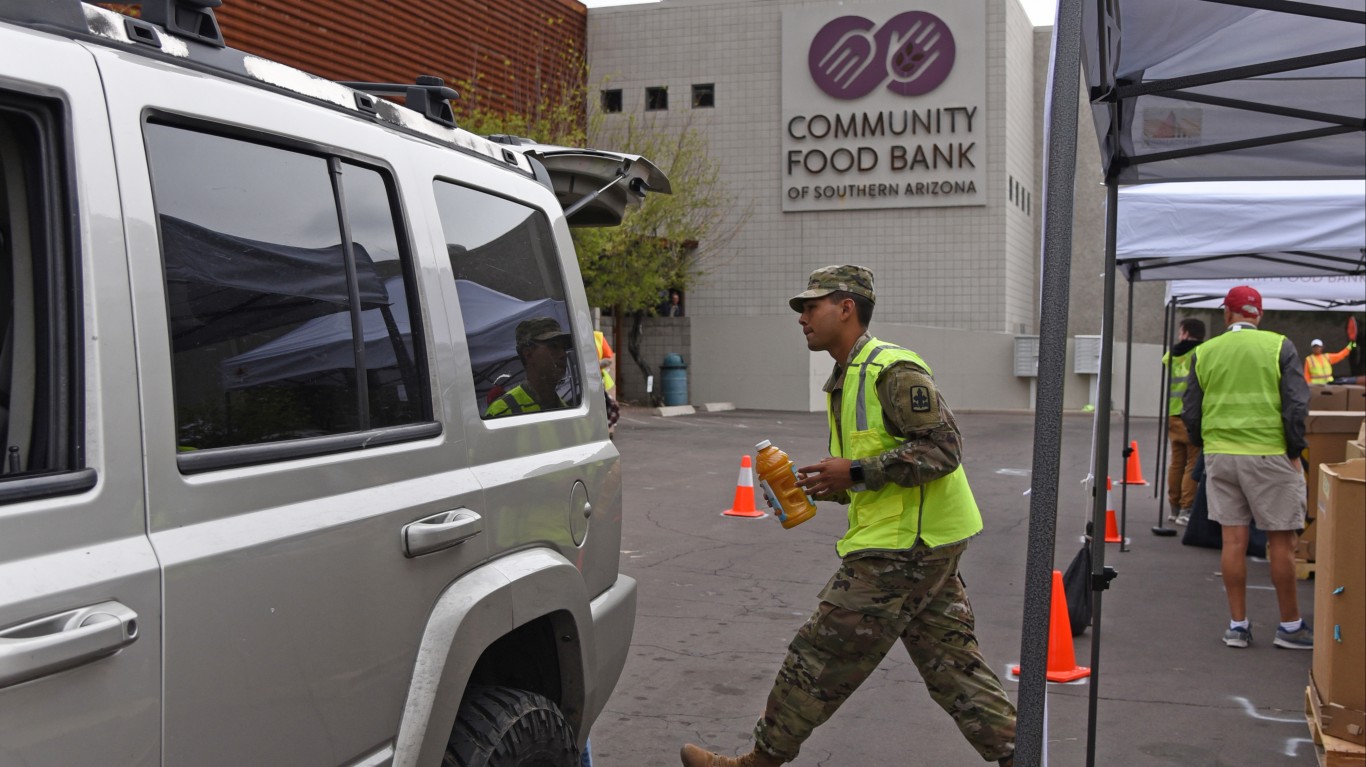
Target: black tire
{"type": "Point", "coordinates": [506, 727]}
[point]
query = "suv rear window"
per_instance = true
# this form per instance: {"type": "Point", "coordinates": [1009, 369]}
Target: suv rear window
{"type": "Point", "coordinates": [277, 262]}
{"type": "Point", "coordinates": [512, 300]}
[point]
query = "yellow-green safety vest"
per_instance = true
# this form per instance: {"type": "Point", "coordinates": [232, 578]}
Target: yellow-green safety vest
{"type": "Point", "coordinates": [1178, 369]}
{"type": "Point", "coordinates": [513, 402]}
{"type": "Point", "coordinates": [1240, 374]}
{"type": "Point", "coordinates": [893, 518]}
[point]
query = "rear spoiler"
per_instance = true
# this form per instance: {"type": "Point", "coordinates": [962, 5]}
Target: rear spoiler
{"type": "Point", "coordinates": [594, 187]}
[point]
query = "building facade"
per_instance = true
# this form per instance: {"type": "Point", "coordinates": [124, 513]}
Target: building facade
{"type": "Point", "coordinates": [902, 136]}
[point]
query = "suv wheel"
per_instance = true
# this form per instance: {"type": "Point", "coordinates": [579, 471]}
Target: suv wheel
{"type": "Point", "coordinates": [506, 727]}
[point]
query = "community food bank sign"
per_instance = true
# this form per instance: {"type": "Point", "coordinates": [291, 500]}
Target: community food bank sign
{"type": "Point", "coordinates": [884, 105]}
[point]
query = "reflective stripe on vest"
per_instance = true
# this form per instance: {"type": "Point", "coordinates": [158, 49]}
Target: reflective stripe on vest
{"type": "Point", "coordinates": [1179, 369]}
{"type": "Point", "coordinates": [893, 518]}
{"type": "Point", "coordinates": [1240, 374]}
{"type": "Point", "coordinates": [1320, 369]}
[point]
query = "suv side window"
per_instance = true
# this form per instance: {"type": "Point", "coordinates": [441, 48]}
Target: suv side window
{"type": "Point", "coordinates": [39, 374]}
{"type": "Point", "coordinates": [277, 263]}
{"type": "Point", "coordinates": [512, 299]}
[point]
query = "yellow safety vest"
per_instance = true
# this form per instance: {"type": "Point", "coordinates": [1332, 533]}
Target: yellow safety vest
{"type": "Point", "coordinates": [893, 518]}
{"type": "Point", "coordinates": [1178, 368]}
{"type": "Point", "coordinates": [1240, 374]}
{"type": "Point", "coordinates": [513, 402]}
{"type": "Point", "coordinates": [1320, 369]}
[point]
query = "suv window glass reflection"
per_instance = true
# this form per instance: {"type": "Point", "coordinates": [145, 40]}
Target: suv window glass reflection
{"type": "Point", "coordinates": [512, 300]}
{"type": "Point", "coordinates": [266, 294]}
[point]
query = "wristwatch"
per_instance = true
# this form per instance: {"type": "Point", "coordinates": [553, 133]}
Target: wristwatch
{"type": "Point", "coordinates": [856, 474]}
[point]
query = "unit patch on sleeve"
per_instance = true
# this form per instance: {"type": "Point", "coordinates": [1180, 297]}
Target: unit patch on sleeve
{"type": "Point", "coordinates": [920, 399]}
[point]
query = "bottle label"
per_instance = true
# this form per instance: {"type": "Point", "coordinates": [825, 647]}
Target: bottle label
{"type": "Point", "coordinates": [771, 499]}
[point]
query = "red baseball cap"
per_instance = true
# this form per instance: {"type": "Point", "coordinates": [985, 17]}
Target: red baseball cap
{"type": "Point", "coordinates": [1245, 300]}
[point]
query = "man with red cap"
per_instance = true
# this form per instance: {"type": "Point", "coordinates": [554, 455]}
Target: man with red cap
{"type": "Point", "coordinates": [1245, 403]}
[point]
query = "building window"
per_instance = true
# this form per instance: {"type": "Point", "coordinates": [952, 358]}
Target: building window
{"type": "Point", "coordinates": [656, 99]}
{"type": "Point", "coordinates": [611, 100]}
{"type": "Point", "coordinates": [703, 95]}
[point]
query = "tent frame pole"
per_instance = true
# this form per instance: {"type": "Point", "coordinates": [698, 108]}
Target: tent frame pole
{"type": "Point", "coordinates": [1163, 426]}
{"type": "Point", "coordinates": [1100, 574]}
{"type": "Point", "coordinates": [1127, 448]}
{"type": "Point", "coordinates": [1060, 167]}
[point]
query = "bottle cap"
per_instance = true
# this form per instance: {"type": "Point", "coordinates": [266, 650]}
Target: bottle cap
{"type": "Point", "coordinates": [762, 445]}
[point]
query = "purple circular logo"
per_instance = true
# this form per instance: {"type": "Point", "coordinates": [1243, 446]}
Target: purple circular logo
{"type": "Point", "coordinates": [850, 56]}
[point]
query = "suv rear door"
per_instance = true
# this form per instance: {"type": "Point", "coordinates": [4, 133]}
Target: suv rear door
{"type": "Point", "coordinates": [80, 599]}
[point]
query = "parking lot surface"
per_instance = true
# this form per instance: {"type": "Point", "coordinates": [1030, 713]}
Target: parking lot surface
{"type": "Point", "coordinates": [720, 597]}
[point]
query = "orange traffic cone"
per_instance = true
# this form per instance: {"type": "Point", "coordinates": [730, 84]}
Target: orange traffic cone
{"type": "Point", "coordinates": [1111, 528]}
{"type": "Point", "coordinates": [1062, 661]}
{"type": "Point", "coordinates": [743, 505]}
{"type": "Point", "coordinates": [1133, 469]}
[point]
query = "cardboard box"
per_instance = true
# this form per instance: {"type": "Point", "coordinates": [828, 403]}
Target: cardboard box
{"type": "Point", "coordinates": [1306, 548]}
{"type": "Point", "coordinates": [1355, 449]}
{"type": "Point", "coordinates": [1335, 721]}
{"type": "Point", "coordinates": [1339, 583]}
{"type": "Point", "coordinates": [1327, 433]}
{"type": "Point", "coordinates": [1327, 397]}
{"type": "Point", "coordinates": [1356, 397]}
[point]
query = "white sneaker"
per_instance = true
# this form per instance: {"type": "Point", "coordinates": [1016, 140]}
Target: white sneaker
{"type": "Point", "coordinates": [1184, 517]}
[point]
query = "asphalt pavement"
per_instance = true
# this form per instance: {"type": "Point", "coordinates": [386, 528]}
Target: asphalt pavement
{"type": "Point", "coordinates": [720, 597]}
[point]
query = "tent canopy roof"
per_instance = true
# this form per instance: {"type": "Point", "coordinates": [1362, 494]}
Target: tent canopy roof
{"type": "Point", "coordinates": [1223, 89]}
{"type": "Point", "coordinates": [1213, 230]}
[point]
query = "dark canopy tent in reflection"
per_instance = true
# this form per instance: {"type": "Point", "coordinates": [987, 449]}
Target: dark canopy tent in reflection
{"type": "Point", "coordinates": [239, 286]}
{"type": "Point", "coordinates": [1180, 90]}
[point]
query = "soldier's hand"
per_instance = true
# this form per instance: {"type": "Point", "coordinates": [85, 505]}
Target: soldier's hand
{"type": "Point", "coordinates": [829, 476]}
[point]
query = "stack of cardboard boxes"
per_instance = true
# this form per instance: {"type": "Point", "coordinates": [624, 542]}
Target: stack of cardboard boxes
{"type": "Point", "coordinates": [1337, 683]}
{"type": "Point", "coordinates": [1336, 538]}
{"type": "Point", "coordinates": [1335, 417]}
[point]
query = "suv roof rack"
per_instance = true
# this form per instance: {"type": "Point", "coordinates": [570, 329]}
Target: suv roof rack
{"type": "Point", "coordinates": [428, 96]}
{"type": "Point", "coordinates": [191, 19]}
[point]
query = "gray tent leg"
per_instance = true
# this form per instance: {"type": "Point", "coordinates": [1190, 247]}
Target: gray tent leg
{"type": "Point", "coordinates": [1128, 383]}
{"type": "Point", "coordinates": [1163, 443]}
{"type": "Point", "coordinates": [1060, 165]}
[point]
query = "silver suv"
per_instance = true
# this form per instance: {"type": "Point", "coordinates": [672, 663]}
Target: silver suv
{"type": "Point", "coordinates": [305, 448]}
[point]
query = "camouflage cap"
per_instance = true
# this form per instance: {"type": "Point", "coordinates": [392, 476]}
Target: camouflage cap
{"type": "Point", "coordinates": [539, 329]}
{"type": "Point", "coordinates": [828, 279]}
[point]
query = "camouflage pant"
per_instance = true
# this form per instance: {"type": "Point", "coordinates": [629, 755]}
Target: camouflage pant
{"type": "Point", "coordinates": [864, 608]}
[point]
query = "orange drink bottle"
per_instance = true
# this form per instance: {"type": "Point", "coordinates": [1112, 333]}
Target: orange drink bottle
{"type": "Point", "coordinates": [778, 478]}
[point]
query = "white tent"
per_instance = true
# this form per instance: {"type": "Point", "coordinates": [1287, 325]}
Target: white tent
{"type": "Point", "coordinates": [1339, 293]}
{"type": "Point", "coordinates": [1223, 229]}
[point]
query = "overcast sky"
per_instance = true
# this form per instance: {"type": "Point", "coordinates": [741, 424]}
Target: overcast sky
{"type": "Point", "coordinates": [1040, 11]}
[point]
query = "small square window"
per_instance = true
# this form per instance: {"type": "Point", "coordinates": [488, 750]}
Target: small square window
{"type": "Point", "coordinates": [703, 95]}
{"type": "Point", "coordinates": [656, 99]}
{"type": "Point", "coordinates": [611, 100]}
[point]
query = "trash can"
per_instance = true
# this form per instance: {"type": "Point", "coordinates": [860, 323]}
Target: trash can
{"type": "Point", "coordinates": [674, 380]}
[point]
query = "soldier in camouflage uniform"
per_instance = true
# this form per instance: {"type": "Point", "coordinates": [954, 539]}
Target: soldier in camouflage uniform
{"type": "Point", "coordinates": [911, 516]}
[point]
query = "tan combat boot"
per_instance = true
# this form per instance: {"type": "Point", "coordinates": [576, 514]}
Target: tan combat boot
{"type": "Point", "coordinates": [693, 756]}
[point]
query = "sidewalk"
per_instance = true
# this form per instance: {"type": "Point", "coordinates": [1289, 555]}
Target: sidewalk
{"type": "Point", "coordinates": [720, 598]}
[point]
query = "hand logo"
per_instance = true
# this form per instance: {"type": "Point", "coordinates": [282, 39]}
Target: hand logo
{"type": "Point", "coordinates": [917, 50]}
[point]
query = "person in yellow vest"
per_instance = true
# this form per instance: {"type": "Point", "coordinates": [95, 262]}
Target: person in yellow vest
{"type": "Point", "coordinates": [1245, 404]}
{"type": "Point", "coordinates": [1318, 367]}
{"type": "Point", "coordinates": [606, 361]}
{"type": "Point", "coordinates": [543, 349]}
{"type": "Point", "coordinates": [896, 459]}
{"type": "Point", "coordinates": [1181, 486]}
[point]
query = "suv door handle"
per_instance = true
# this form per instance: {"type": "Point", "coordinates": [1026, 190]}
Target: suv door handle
{"type": "Point", "coordinates": [440, 531]}
{"type": "Point", "coordinates": [58, 642]}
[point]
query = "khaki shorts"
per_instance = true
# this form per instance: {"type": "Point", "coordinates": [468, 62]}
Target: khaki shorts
{"type": "Point", "coordinates": [1267, 488]}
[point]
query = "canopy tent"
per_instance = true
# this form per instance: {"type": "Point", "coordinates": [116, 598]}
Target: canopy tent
{"type": "Point", "coordinates": [1339, 293]}
{"type": "Point", "coordinates": [1180, 90]}
{"type": "Point", "coordinates": [322, 345]}
{"type": "Point", "coordinates": [1241, 229]}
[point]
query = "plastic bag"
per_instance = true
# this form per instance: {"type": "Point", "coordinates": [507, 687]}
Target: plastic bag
{"type": "Point", "coordinates": [1076, 585]}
